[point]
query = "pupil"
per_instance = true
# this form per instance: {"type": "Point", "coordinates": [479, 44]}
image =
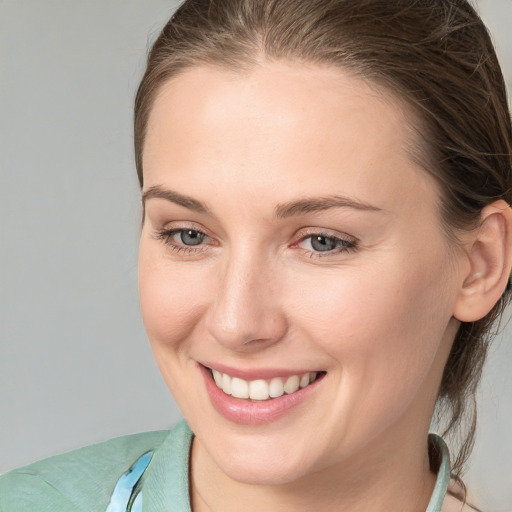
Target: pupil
{"type": "Point", "coordinates": [191, 237]}
{"type": "Point", "coordinates": [322, 243]}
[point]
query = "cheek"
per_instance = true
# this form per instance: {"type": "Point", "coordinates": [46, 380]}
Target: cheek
{"type": "Point", "coordinates": [170, 299]}
{"type": "Point", "coordinates": [368, 310]}
{"type": "Point", "coordinates": [383, 328]}
{"type": "Point", "coordinates": [383, 334]}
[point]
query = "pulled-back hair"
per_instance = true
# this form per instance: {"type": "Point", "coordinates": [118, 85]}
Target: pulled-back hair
{"type": "Point", "coordinates": [436, 56]}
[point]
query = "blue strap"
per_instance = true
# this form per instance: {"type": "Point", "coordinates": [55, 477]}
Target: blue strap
{"type": "Point", "coordinates": [137, 504]}
{"type": "Point", "coordinates": [125, 487]}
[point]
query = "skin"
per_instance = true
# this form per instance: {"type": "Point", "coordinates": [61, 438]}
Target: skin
{"type": "Point", "coordinates": [378, 317]}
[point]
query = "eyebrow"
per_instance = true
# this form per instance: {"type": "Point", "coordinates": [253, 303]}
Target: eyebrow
{"type": "Point", "coordinates": [317, 204]}
{"type": "Point", "coordinates": [170, 195]}
{"type": "Point", "coordinates": [281, 211]}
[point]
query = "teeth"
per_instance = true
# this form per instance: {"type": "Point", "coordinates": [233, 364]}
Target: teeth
{"type": "Point", "coordinates": [239, 388]}
{"type": "Point", "coordinates": [258, 390]}
{"type": "Point", "coordinates": [304, 380]}
{"type": "Point", "coordinates": [226, 384]}
{"type": "Point", "coordinates": [262, 389]}
{"type": "Point", "coordinates": [217, 377]}
{"type": "Point", "coordinates": [276, 388]}
{"type": "Point", "coordinates": [292, 384]}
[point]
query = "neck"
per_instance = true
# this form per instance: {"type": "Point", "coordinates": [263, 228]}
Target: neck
{"type": "Point", "coordinates": [390, 473]}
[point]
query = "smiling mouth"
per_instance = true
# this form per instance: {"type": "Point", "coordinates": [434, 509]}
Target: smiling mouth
{"type": "Point", "coordinates": [263, 389]}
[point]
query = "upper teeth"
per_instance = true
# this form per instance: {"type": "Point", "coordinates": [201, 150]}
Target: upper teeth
{"type": "Point", "coordinates": [262, 389]}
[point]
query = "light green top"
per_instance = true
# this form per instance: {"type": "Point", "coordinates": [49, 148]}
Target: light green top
{"type": "Point", "coordinates": [83, 480]}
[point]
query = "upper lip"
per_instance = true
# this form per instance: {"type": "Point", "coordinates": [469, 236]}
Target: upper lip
{"type": "Point", "coordinates": [256, 373]}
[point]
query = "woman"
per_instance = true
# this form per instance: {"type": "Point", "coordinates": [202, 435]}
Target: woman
{"type": "Point", "coordinates": [325, 245]}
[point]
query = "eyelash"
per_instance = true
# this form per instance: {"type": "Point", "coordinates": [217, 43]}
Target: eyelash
{"type": "Point", "coordinates": [166, 236]}
{"type": "Point", "coordinates": [344, 244]}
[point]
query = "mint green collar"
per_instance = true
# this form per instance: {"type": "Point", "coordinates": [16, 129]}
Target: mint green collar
{"type": "Point", "coordinates": [443, 477]}
{"type": "Point", "coordinates": [165, 482]}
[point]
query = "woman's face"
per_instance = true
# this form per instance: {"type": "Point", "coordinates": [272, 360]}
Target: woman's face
{"type": "Point", "coordinates": [288, 238]}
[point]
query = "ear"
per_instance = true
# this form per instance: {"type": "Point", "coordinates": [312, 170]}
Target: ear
{"type": "Point", "coordinates": [489, 250]}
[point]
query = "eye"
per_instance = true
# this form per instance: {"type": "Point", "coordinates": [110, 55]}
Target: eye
{"type": "Point", "coordinates": [183, 240]}
{"type": "Point", "coordinates": [326, 243]}
{"type": "Point", "coordinates": [190, 236]}
{"type": "Point", "coordinates": [323, 243]}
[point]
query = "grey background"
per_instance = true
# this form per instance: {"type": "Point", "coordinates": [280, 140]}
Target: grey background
{"type": "Point", "coordinates": [75, 366]}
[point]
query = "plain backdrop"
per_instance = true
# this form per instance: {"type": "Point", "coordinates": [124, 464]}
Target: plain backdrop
{"type": "Point", "coordinates": [75, 365]}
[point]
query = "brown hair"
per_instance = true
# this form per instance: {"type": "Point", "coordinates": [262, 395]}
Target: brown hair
{"type": "Point", "coordinates": [436, 55]}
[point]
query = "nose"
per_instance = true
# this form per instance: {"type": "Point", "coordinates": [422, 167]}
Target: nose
{"type": "Point", "coordinates": [246, 314]}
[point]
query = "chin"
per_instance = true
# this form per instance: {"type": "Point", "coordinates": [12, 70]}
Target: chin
{"type": "Point", "coordinates": [263, 465]}
{"type": "Point", "coordinates": [270, 473]}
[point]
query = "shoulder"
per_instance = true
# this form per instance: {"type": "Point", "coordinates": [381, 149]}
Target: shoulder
{"type": "Point", "coordinates": [81, 480]}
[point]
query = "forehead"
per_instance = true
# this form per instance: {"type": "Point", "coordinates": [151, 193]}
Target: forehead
{"type": "Point", "coordinates": [281, 123]}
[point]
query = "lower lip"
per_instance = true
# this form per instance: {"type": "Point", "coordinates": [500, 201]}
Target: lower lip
{"type": "Point", "coordinates": [246, 412]}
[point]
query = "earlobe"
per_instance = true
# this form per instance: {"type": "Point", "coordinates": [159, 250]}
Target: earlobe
{"type": "Point", "coordinates": [489, 251]}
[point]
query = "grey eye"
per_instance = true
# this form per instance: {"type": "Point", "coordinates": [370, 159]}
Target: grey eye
{"type": "Point", "coordinates": [324, 243]}
{"type": "Point", "coordinates": [191, 237]}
